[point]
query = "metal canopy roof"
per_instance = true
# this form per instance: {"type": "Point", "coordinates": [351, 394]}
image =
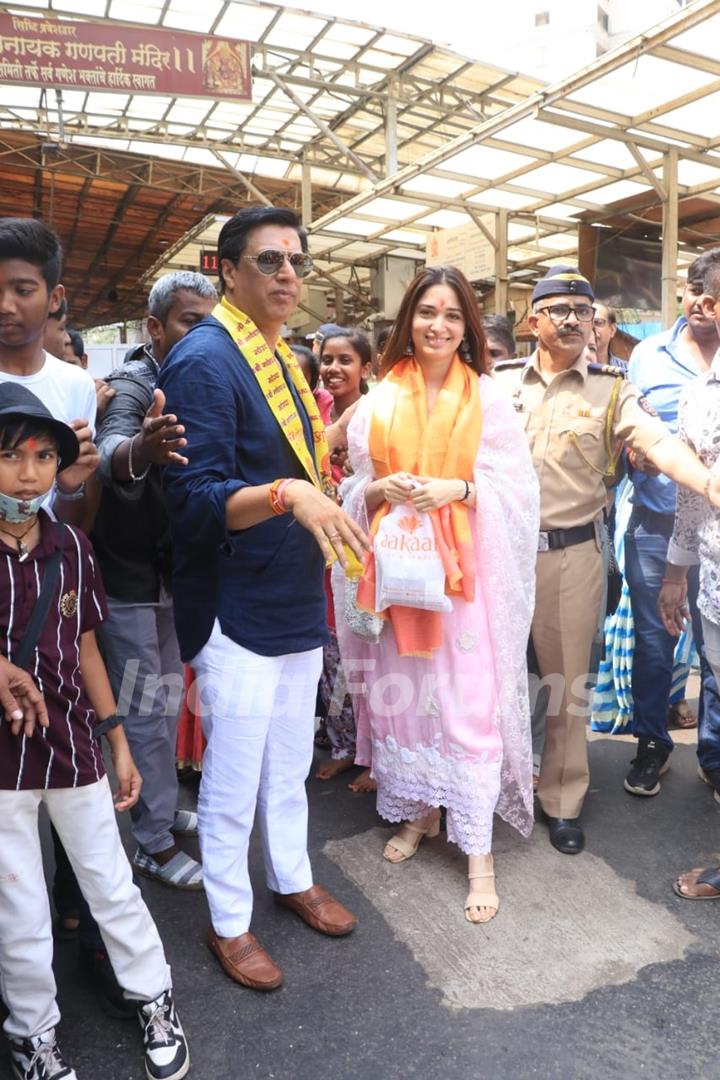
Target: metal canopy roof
{"type": "Point", "coordinates": [119, 214]}
{"type": "Point", "coordinates": [611, 133]}
{"type": "Point", "coordinates": [321, 91]}
{"type": "Point", "coordinates": [325, 91]}
{"type": "Point", "coordinates": [413, 137]}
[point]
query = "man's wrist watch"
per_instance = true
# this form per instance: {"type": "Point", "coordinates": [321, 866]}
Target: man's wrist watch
{"type": "Point", "coordinates": [70, 496]}
{"type": "Point", "coordinates": [106, 725]}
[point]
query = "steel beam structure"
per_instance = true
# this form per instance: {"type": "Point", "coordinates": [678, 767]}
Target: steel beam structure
{"type": "Point", "coordinates": [371, 143]}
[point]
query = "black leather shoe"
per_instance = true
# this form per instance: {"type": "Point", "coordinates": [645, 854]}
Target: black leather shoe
{"type": "Point", "coordinates": [566, 835]}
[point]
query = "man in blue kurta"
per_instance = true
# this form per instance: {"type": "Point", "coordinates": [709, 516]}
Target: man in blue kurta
{"type": "Point", "coordinates": [252, 529]}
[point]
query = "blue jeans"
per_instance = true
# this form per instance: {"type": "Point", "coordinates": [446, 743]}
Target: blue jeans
{"type": "Point", "coordinates": [646, 544]}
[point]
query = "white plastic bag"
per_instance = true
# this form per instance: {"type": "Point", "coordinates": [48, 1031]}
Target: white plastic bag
{"type": "Point", "coordinates": [408, 568]}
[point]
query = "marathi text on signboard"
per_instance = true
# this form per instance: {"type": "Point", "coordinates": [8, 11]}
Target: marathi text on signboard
{"type": "Point", "coordinates": [466, 247]}
{"type": "Point", "coordinates": [133, 59]}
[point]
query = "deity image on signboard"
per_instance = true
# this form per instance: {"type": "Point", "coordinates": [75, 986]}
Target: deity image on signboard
{"type": "Point", "coordinates": [223, 66]}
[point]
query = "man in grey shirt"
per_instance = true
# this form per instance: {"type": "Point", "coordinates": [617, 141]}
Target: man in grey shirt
{"type": "Point", "coordinates": [132, 540]}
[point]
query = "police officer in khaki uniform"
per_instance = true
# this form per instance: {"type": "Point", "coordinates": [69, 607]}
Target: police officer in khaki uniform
{"type": "Point", "coordinates": [578, 416]}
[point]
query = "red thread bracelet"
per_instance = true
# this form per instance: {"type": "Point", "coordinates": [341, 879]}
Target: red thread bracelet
{"type": "Point", "coordinates": [276, 495]}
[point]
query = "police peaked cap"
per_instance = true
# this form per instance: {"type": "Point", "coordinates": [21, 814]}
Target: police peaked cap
{"type": "Point", "coordinates": [563, 281]}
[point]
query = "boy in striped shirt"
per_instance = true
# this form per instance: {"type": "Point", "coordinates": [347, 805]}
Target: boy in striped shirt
{"type": "Point", "coordinates": [61, 765]}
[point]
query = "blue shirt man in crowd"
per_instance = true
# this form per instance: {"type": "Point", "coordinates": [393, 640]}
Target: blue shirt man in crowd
{"type": "Point", "coordinates": [661, 367]}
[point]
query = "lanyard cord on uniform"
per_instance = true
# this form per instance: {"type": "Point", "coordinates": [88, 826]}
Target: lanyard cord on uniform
{"type": "Point", "coordinates": [613, 455]}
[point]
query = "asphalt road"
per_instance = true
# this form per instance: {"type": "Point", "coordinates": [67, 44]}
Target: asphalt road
{"type": "Point", "coordinates": [592, 968]}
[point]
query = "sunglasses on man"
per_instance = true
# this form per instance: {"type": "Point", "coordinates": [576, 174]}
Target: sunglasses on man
{"type": "Point", "coordinates": [270, 261]}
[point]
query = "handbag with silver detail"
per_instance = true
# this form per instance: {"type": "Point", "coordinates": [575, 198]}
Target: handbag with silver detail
{"type": "Point", "coordinates": [363, 623]}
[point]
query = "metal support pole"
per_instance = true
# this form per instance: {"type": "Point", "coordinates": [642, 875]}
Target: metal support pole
{"type": "Point", "coordinates": [306, 192]}
{"type": "Point", "coordinates": [669, 237]}
{"type": "Point", "coordinates": [243, 179]}
{"type": "Point", "coordinates": [391, 148]}
{"type": "Point", "coordinates": [339, 307]}
{"type": "Point", "coordinates": [355, 293]}
{"type": "Point", "coordinates": [501, 267]}
{"type": "Point", "coordinates": [327, 131]}
{"type": "Point", "coordinates": [61, 118]}
{"type": "Point", "coordinates": [311, 312]}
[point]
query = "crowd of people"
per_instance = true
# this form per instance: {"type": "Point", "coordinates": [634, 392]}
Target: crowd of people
{"type": "Point", "coordinates": [293, 547]}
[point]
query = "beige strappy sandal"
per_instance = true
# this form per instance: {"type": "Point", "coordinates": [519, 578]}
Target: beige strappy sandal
{"type": "Point", "coordinates": [407, 848]}
{"type": "Point", "coordinates": [482, 899]}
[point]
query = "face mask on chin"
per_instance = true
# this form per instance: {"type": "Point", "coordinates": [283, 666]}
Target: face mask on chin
{"type": "Point", "coordinates": [18, 511]}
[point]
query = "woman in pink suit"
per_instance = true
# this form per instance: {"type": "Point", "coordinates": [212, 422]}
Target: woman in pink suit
{"type": "Point", "coordinates": [443, 715]}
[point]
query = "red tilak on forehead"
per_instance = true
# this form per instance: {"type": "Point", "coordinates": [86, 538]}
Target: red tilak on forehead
{"type": "Point", "coordinates": [285, 242]}
{"type": "Point", "coordinates": [31, 443]}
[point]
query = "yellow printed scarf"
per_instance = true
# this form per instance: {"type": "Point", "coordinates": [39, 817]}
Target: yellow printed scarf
{"type": "Point", "coordinates": [403, 438]}
{"type": "Point", "coordinates": [268, 371]}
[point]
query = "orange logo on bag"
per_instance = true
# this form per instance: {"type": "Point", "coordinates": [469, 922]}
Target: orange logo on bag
{"type": "Point", "coordinates": [410, 523]}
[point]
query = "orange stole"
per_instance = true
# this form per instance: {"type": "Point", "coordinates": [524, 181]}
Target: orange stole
{"type": "Point", "coordinates": [444, 445]}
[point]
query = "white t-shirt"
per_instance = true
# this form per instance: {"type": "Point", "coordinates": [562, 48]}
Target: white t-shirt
{"type": "Point", "coordinates": [65, 390]}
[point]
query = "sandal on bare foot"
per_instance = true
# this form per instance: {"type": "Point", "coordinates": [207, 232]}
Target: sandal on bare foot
{"type": "Point", "coordinates": [332, 768]}
{"type": "Point", "coordinates": [680, 715]}
{"type": "Point", "coordinates": [476, 901]}
{"type": "Point", "coordinates": [364, 784]}
{"type": "Point", "coordinates": [400, 849]}
{"type": "Point", "coordinates": [705, 882]}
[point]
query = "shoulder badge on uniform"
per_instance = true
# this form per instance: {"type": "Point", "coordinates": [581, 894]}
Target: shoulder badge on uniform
{"type": "Point", "coordinates": [506, 365]}
{"type": "Point", "coordinates": [606, 369]}
{"type": "Point", "coordinates": [646, 406]}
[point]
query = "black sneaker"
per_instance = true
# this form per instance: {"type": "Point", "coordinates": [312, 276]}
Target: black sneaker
{"type": "Point", "coordinates": [39, 1058]}
{"type": "Point", "coordinates": [98, 971]}
{"type": "Point", "coordinates": [166, 1052]}
{"type": "Point", "coordinates": [647, 768]}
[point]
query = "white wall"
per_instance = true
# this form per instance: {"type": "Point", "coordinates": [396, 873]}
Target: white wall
{"type": "Point", "coordinates": [571, 37]}
{"type": "Point", "coordinates": [103, 359]}
{"type": "Point", "coordinates": [628, 19]}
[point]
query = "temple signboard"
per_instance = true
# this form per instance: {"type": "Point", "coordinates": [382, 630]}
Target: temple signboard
{"type": "Point", "coordinates": [465, 247]}
{"type": "Point", "coordinates": [94, 56]}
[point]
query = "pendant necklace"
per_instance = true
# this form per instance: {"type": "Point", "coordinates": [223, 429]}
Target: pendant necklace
{"type": "Point", "coordinates": [23, 549]}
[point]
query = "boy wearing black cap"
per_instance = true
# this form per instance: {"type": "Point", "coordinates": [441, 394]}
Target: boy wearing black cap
{"type": "Point", "coordinates": [51, 600]}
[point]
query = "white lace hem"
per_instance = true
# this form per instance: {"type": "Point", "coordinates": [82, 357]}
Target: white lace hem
{"type": "Point", "coordinates": [411, 782]}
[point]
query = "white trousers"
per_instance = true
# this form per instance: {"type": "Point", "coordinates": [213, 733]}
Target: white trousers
{"type": "Point", "coordinates": [258, 715]}
{"type": "Point", "coordinates": [85, 820]}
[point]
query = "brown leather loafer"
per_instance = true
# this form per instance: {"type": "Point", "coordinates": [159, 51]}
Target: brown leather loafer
{"type": "Point", "coordinates": [319, 910]}
{"type": "Point", "coordinates": [244, 960]}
